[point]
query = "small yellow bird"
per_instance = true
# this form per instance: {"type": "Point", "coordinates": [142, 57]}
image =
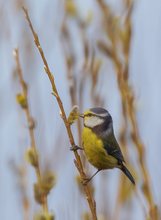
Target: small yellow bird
{"type": "Point", "coordinates": [99, 142]}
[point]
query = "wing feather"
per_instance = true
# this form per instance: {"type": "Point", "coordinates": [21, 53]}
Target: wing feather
{"type": "Point", "coordinates": [112, 148]}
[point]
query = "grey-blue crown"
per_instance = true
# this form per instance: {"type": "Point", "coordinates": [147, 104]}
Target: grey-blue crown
{"type": "Point", "coordinates": [100, 111]}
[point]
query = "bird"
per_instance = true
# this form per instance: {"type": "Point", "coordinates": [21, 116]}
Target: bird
{"type": "Point", "coordinates": [99, 143]}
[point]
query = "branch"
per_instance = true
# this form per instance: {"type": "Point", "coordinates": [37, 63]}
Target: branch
{"type": "Point", "coordinates": [77, 161]}
{"type": "Point", "coordinates": [34, 160]}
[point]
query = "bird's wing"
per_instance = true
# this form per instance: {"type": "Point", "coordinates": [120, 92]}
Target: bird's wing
{"type": "Point", "coordinates": [113, 149]}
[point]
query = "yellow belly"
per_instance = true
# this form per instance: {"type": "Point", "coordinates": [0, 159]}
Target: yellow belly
{"type": "Point", "coordinates": [95, 152]}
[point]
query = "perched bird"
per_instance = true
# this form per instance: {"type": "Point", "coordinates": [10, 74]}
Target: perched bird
{"type": "Point", "coordinates": [100, 145]}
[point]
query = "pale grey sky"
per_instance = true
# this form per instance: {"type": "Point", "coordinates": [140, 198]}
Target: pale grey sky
{"type": "Point", "coordinates": [145, 68]}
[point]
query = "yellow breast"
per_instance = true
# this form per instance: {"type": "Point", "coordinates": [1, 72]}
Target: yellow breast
{"type": "Point", "coordinates": [95, 151]}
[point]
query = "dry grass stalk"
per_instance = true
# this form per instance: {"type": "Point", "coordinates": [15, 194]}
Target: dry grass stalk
{"type": "Point", "coordinates": [77, 161]}
{"type": "Point", "coordinates": [31, 126]}
{"type": "Point", "coordinates": [126, 90]}
{"type": "Point", "coordinates": [76, 97]}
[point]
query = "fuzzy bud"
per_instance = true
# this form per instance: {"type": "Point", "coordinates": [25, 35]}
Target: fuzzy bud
{"type": "Point", "coordinates": [32, 156]}
{"type": "Point", "coordinates": [74, 114]}
{"type": "Point", "coordinates": [21, 99]}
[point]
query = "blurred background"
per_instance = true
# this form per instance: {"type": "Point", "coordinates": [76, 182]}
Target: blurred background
{"type": "Point", "coordinates": [102, 53]}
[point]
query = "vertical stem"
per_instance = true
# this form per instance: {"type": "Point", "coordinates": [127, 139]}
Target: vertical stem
{"type": "Point", "coordinates": [77, 161]}
{"type": "Point", "coordinates": [30, 122]}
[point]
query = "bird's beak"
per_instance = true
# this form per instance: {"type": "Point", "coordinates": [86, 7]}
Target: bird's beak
{"type": "Point", "coordinates": [81, 115]}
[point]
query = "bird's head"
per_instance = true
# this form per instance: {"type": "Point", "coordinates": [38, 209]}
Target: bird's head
{"type": "Point", "coordinates": [95, 117]}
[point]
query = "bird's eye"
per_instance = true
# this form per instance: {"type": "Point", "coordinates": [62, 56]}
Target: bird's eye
{"type": "Point", "coordinates": [89, 114]}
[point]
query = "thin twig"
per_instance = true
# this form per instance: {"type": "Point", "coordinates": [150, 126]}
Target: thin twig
{"type": "Point", "coordinates": [77, 160]}
{"type": "Point", "coordinates": [127, 94]}
{"type": "Point", "coordinates": [30, 122]}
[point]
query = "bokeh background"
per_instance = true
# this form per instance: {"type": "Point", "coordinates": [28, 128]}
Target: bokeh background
{"type": "Point", "coordinates": [73, 35]}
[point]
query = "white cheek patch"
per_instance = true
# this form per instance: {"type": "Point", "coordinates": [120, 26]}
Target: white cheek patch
{"type": "Point", "coordinates": [93, 121]}
{"type": "Point", "coordinates": [104, 114]}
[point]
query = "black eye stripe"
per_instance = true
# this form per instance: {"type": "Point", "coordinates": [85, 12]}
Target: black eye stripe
{"type": "Point", "coordinates": [88, 115]}
{"type": "Point", "coordinates": [95, 115]}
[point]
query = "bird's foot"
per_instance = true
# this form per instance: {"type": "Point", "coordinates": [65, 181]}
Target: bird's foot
{"type": "Point", "coordinates": [86, 180]}
{"type": "Point", "coordinates": [75, 148]}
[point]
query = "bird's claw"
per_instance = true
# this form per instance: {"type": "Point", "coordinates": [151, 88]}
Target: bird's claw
{"type": "Point", "coordinates": [85, 181]}
{"type": "Point", "coordinates": [75, 148]}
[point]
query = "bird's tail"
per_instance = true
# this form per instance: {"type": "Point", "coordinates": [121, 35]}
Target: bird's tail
{"type": "Point", "coordinates": [127, 173]}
